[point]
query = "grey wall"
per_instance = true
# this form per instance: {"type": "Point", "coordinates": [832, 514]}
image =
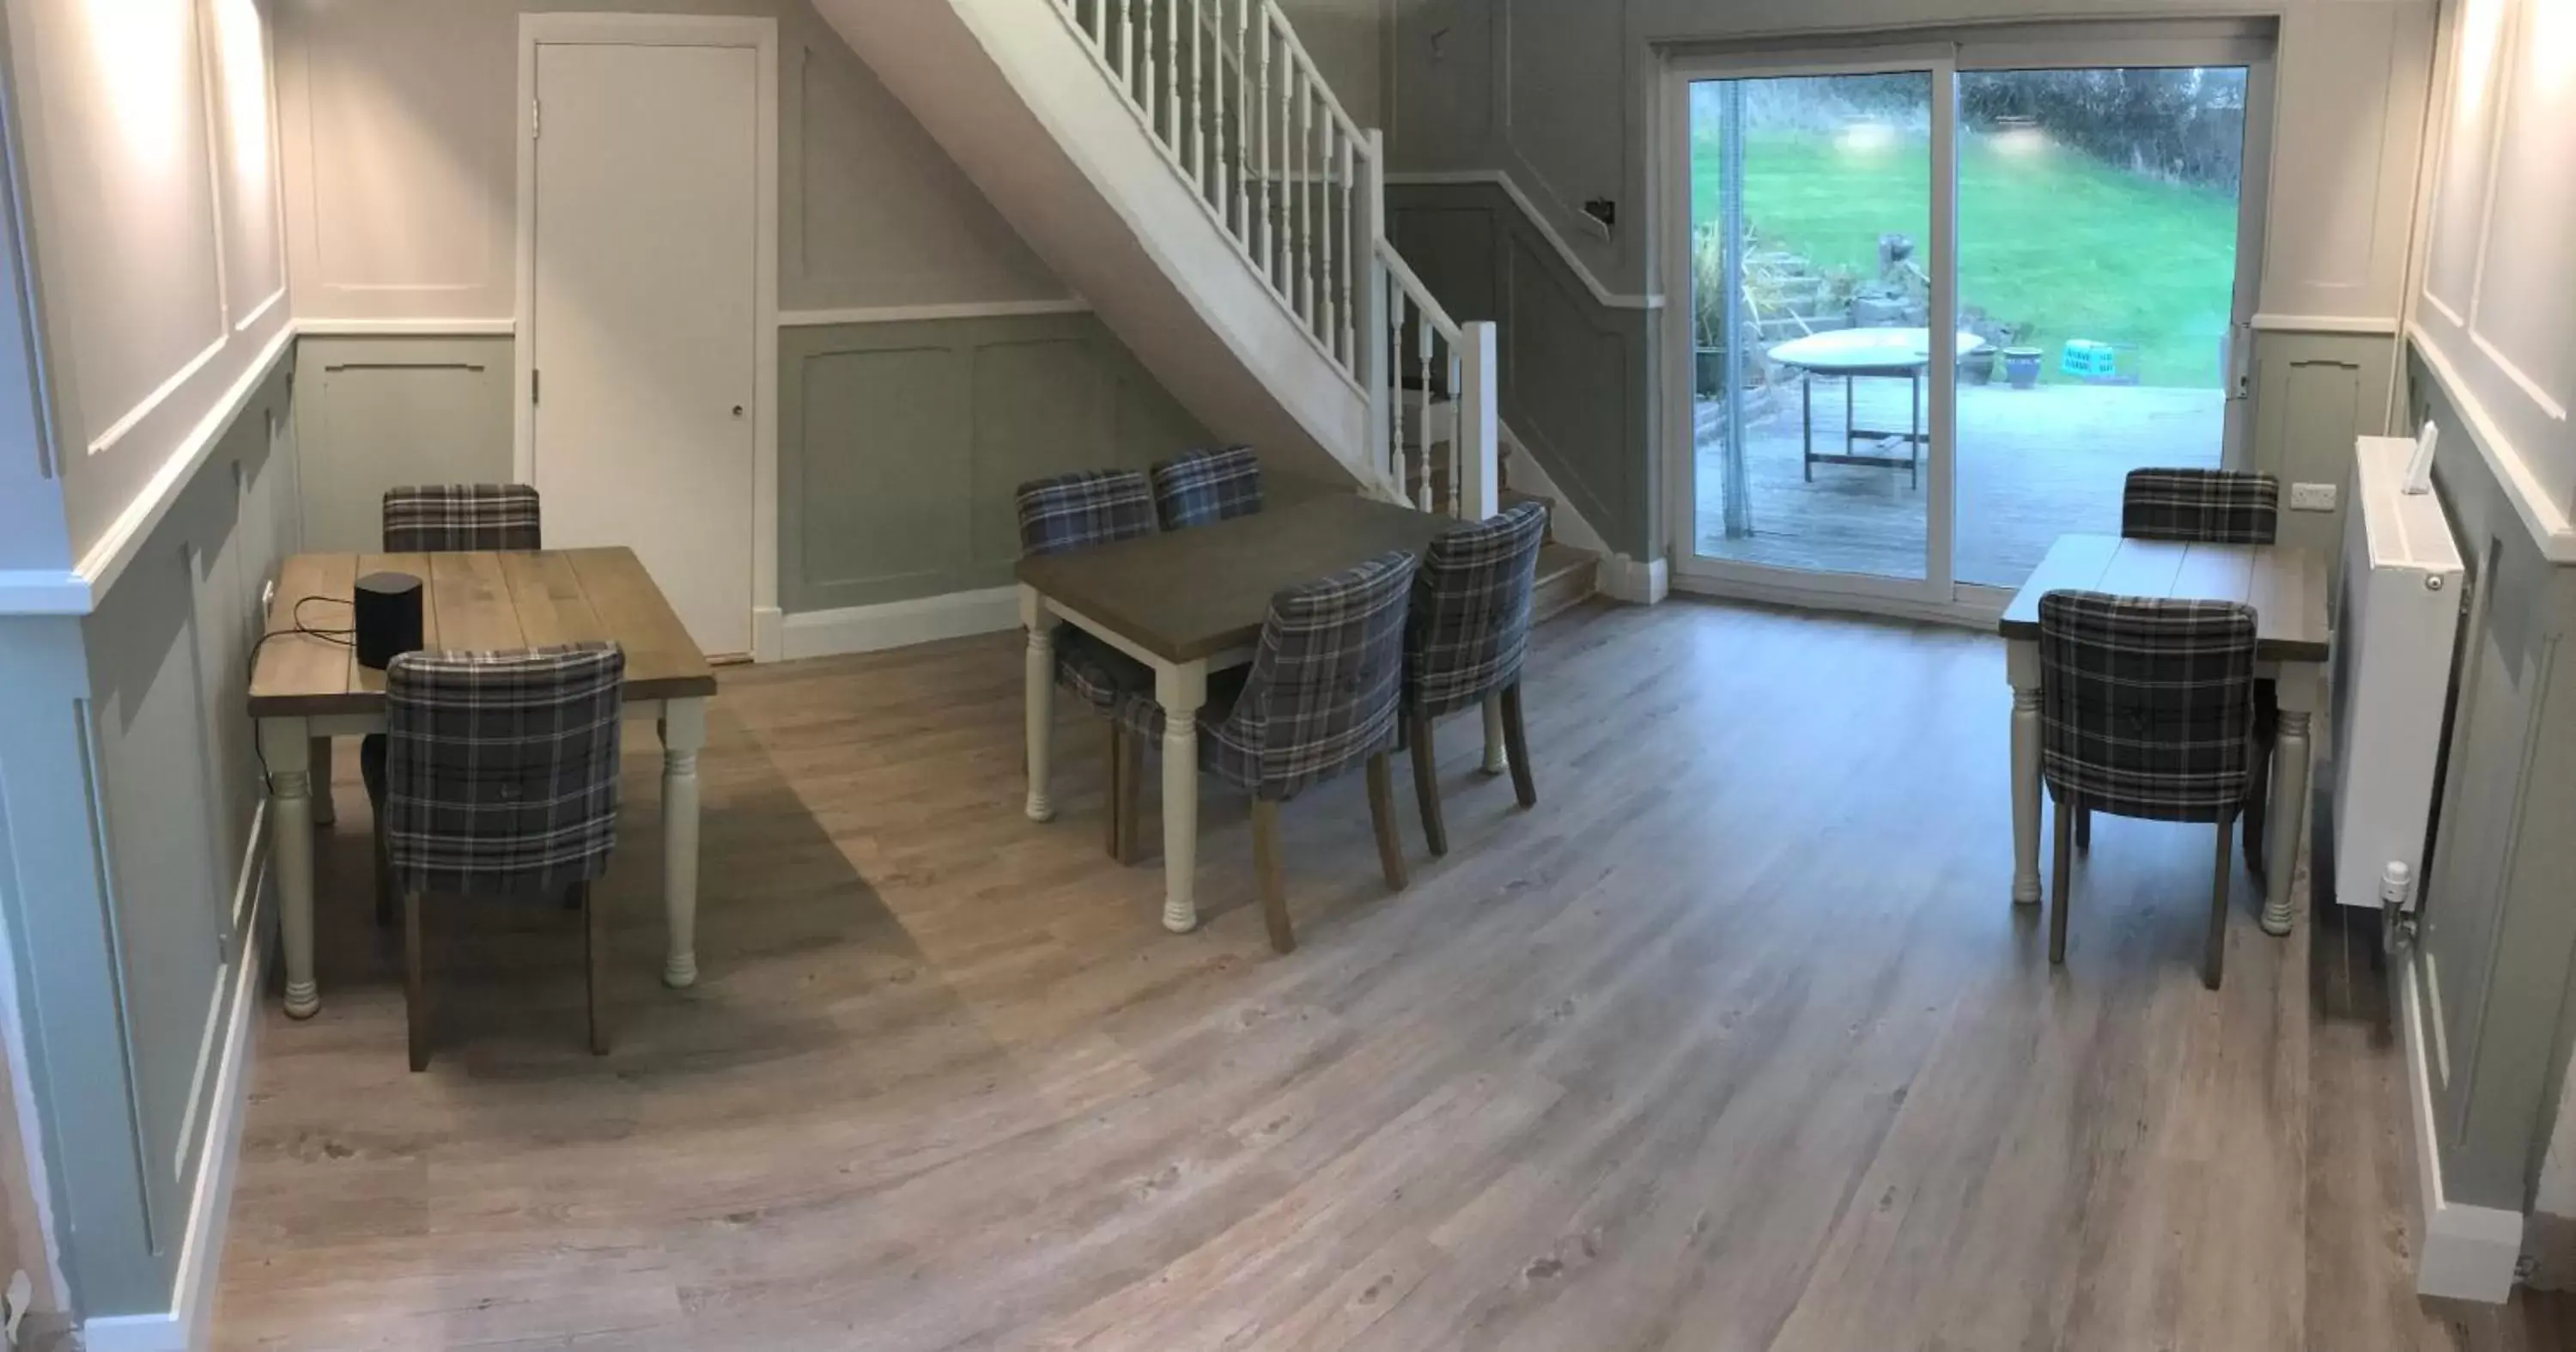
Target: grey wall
{"type": "Point", "coordinates": [400, 140]}
{"type": "Point", "coordinates": [900, 445]}
{"type": "Point", "coordinates": [373, 412]}
{"type": "Point", "coordinates": [2498, 929]}
{"type": "Point", "coordinates": [131, 790]}
{"type": "Point", "coordinates": [2313, 394]}
{"type": "Point", "coordinates": [1576, 376]}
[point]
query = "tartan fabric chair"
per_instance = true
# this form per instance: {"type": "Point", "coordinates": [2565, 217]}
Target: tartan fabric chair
{"type": "Point", "coordinates": [2211, 506]}
{"type": "Point", "coordinates": [2146, 710]}
{"type": "Point", "coordinates": [1322, 695]}
{"type": "Point", "coordinates": [1078, 511]}
{"type": "Point", "coordinates": [1201, 488]}
{"type": "Point", "coordinates": [2219, 507]}
{"type": "Point", "coordinates": [443, 518]}
{"type": "Point", "coordinates": [1464, 643]}
{"type": "Point", "coordinates": [498, 776]}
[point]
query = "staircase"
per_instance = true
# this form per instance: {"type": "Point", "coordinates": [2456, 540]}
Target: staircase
{"type": "Point", "coordinates": [1185, 167]}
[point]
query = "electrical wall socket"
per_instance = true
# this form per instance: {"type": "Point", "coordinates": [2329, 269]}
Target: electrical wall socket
{"type": "Point", "coordinates": [2312, 497]}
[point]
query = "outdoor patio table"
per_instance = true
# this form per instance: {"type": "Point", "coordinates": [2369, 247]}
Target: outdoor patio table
{"type": "Point", "coordinates": [1852, 354]}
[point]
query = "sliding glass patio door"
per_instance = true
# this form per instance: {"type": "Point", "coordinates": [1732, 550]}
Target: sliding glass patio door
{"type": "Point", "coordinates": [1816, 319]}
{"type": "Point", "coordinates": [1928, 306]}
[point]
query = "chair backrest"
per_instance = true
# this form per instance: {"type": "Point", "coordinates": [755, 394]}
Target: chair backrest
{"type": "Point", "coordinates": [445, 518]}
{"type": "Point", "coordinates": [1201, 488]}
{"type": "Point", "coordinates": [1328, 679]}
{"type": "Point", "coordinates": [1470, 622]}
{"type": "Point", "coordinates": [501, 767]}
{"type": "Point", "coordinates": [2206, 506]}
{"type": "Point", "coordinates": [2146, 705]}
{"type": "Point", "coordinates": [1085, 508]}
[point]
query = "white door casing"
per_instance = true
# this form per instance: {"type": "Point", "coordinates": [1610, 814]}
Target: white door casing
{"type": "Point", "coordinates": [647, 302]}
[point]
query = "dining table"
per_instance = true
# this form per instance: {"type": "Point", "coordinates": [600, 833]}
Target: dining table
{"type": "Point", "coordinates": [1185, 603]}
{"type": "Point", "coordinates": [2286, 587]}
{"type": "Point", "coordinates": [307, 686]}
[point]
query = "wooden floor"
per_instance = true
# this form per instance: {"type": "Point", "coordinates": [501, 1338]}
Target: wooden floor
{"type": "Point", "coordinates": [1735, 1042]}
{"type": "Point", "coordinates": [2033, 465]}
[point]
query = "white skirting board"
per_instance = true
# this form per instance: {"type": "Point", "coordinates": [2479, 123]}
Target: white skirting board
{"type": "Point", "coordinates": [189, 1322]}
{"type": "Point", "coordinates": [898, 624]}
{"type": "Point", "coordinates": [1639, 583]}
{"type": "Point", "coordinates": [2463, 1252]}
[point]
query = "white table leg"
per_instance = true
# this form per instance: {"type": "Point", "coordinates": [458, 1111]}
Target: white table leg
{"type": "Point", "coordinates": [288, 750]}
{"type": "Point", "coordinates": [323, 813]}
{"type": "Point", "coordinates": [684, 733]}
{"type": "Point", "coordinates": [1180, 690]}
{"type": "Point", "coordinates": [2289, 807]}
{"type": "Point", "coordinates": [1040, 678]}
{"type": "Point", "coordinates": [2021, 664]}
{"type": "Point", "coordinates": [1497, 760]}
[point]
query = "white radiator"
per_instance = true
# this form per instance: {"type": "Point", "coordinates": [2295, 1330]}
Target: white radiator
{"type": "Point", "coordinates": [2395, 627]}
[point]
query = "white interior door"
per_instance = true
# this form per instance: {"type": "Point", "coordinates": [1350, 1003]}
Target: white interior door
{"type": "Point", "coordinates": [642, 315]}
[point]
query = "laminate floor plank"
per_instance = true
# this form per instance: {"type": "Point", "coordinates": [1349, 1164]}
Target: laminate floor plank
{"type": "Point", "coordinates": [1734, 1042]}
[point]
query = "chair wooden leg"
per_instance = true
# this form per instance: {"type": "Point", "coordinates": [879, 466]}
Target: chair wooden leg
{"type": "Point", "coordinates": [1516, 746]}
{"type": "Point", "coordinates": [2213, 959]}
{"type": "Point", "coordinates": [415, 990]}
{"type": "Point", "coordinates": [594, 924]}
{"type": "Point", "coordinates": [386, 902]}
{"type": "Point", "coordinates": [1274, 877]}
{"type": "Point", "coordinates": [1381, 795]}
{"type": "Point", "coordinates": [2084, 829]}
{"type": "Point", "coordinates": [2058, 897]}
{"type": "Point", "coordinates": [1131, 806]}
{"type": "Point", "coordinates": [2258, 803]}
{"type": "Point", "coordinates": [1426, 781]}
{"type": "Point", "coordinates": [1117, 793]}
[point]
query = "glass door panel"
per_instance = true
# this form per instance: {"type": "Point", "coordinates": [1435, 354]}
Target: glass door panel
{"type": "Point", "coordinates": [1810, 274]}
{"type": "Point", "coordinates": [2098, 223]}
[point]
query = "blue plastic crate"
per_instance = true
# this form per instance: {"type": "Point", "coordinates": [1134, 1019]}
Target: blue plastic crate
{"type": "Point", "coordinates": [2087, 360]}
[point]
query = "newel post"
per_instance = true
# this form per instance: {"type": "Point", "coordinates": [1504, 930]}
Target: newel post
{"type": "Point", "coordinates": [1479, 425]}
{"type": "Point", "coordinates": [1371, 359]}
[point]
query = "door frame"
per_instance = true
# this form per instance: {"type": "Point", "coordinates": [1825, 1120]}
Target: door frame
{"type": "Point", "coordinates": [1926, 596]}
{"type": "Point", "coordinates": [768, 633]}
{"type": "Point", "coordinates": [1938, 595]}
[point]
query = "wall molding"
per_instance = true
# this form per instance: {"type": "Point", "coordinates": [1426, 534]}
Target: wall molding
{"type": "Point", "coordinates": [185, 1326]}
{"type": "Point", "coordinates": [126, 535]}
{"type": "Point", "coordinates": [899, 624]}
{"type": "Point", "coordinates": [2462, 1252]}
{"type": "Point", "coordinates": [407, 328]}
{"type": "Point", "coordinates": [902, 314]}
{"type": "Point", "coordinates": [2379, 325]}
{"type": "Point", "coordinates": [106, 441]}
{"type": "Point", "coordinates": [2548, 523]}
{"type": "Point", "coordinates": [260, 311]}
{"type": "Point", "coordinates": [1547, 229]}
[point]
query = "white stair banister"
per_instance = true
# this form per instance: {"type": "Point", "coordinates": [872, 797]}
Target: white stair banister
{"type": "Point", "coordinates": [1300, 191]}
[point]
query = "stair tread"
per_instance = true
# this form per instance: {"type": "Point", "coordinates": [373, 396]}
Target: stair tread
{"type": "Point", "coordinates": [1554, 559]}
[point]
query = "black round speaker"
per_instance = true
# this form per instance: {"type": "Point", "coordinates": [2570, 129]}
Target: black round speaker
{"type": "Point", "coordinates": [388, 617]}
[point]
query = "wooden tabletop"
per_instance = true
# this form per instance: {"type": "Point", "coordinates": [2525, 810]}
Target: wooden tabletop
{"type": "Point", "coordinates": [2286, 586]}
{"type": "Point", "coordinates": [471, 601]}
{"type": "Point", "coordinates": [1187, 594]}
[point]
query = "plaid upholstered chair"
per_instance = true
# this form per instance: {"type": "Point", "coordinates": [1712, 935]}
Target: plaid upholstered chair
{"type": "Point", "coordinates": [445, 519]}
{"type": "Point", "coordinates": [1322, 695]}
{"type": "Point", "coordinates": [1464, 643]}
{"type": "Point", "coordinates": [499, 777]}
{"type": "Point", "coordinates": [2219, 507]}
{"type": "Point", "coordinates": [2146, 710]}
{"type": "Point", "coordinates": [2212, 506]}
{"type": "Point", "coordinates": [1078, 511]}
{"type": "Point", "coordinates": [1201, 488]}
{"type": "Point", "coordinates": [441, 518]}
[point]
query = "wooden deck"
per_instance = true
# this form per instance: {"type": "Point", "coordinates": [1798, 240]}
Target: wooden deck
{"type": "Point", "coordinates": [2033, 464]}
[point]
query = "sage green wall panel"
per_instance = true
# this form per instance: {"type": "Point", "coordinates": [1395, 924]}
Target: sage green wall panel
{"type": "Point", "coordinates": [380, 411]}
{"type": "Point", "coordinates": [1577, 377]}
{"type": "Point", "coordinates": [852, 408]}
{"type": "Point", "coordinates": [2314, 393]}
{"type": "Point", "coordinates": [900, 445]}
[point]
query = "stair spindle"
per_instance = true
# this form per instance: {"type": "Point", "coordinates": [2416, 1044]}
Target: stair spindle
{"type": "Point", "coordinates": [1457, 435]}
{"type": "Point", "coordinates": [1262, 196]}
{"type": "Point", "coordinates": [1238, 137]}
{"type": "Point", "coordinates": [1197, 105]}
{"type": "Point", "coordinates": [1324, 274]}
{"type": "Point", "coordinates": [1304, 150]}
{"type": "Point", "coordinates": [1394, 392]}
{"type": "Point", "coordinates": [1122, 59]}
{"type": "Point", "coordinates": [1354, 249]}
{"type": "Point", "coordinates": [1170, 120]}
{"type": "Point", "coordinates": [1422, 336]}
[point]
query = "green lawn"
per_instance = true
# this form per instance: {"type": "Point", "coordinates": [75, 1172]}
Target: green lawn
{"type": "Point", "coordinates": [2053, 238]}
